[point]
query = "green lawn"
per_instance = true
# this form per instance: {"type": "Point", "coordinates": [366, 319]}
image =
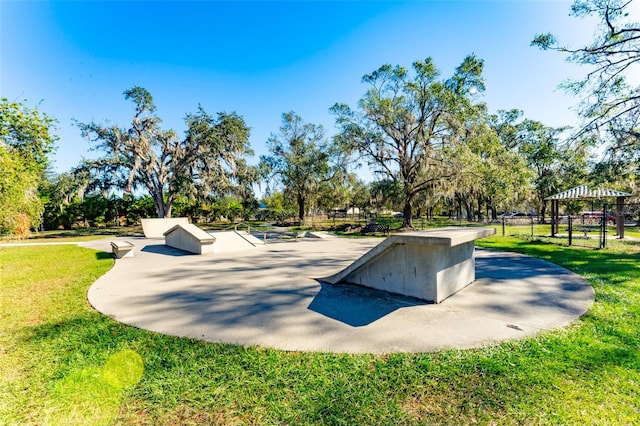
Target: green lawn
{"type": "Point", "coordinates": [62, 363]}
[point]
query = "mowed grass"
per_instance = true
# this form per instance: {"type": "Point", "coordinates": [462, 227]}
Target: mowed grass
{"type": "Point", "coordinates": [63, 363]}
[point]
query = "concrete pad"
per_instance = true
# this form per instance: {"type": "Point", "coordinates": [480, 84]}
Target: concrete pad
{"type": "Point", "coordinates": [271, 298]}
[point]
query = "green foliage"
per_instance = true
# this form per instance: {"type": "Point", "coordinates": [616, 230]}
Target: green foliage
{"type": "Point", "coordinates": [278, 207]}
{"type": "Point", "coordinates": [27, 133]}
{"type": "Point", "coordinates": [300, 160]}
{"type": "Point", "coordinates": [609, 100]}
{"type": "Point", "coordinates": [20, 207]}
{"type": "Point", "coordinates": [556, 167]}
{"type": "Point", "coordinates": [209, 160]}
{"type": "Point", "coordinates": [495, 174]}
{"type": "Point", "coordinates": [216, 148]}
{"type": "Point", "coordinates": [609, 94]}
{"type": "Point", "coordinates": [404, 122]}
{"type": "Point", "coordinates": [67, 206]}
{"type": "Point", "coordinates": [25, 143]}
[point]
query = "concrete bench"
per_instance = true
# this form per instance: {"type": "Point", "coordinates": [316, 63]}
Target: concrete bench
{"type": "Point", "coordinates": [429, 265]}
{"type": "Point", "coordinates": [189, 237]}
{"type": "Point", "coordinates": [122, 249]}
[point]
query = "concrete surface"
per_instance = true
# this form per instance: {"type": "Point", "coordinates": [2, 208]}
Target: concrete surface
{"type": "Point", "coordinates": [270, 297]}
{"type": "Point", "coordinates": [430, 265]}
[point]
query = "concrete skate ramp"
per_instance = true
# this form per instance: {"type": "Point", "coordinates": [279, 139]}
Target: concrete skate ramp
{"type": "Point", "coordinates": [430, 265]}
{"type": "Point", "coordinates": [231, 241]}
{"type": "Point", "coordinates": [156, 227]}
{"type": "Point", "coordinates": [189, 238]}
{"type": "Point", "coordinates": [318, 234]}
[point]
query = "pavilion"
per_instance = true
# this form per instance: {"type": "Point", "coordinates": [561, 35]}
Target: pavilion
{"type": "Point", "coordinates": [583, 192]}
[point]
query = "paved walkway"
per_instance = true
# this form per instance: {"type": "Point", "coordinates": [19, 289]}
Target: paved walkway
{"type": "Point", "coordinates": [268, 296]}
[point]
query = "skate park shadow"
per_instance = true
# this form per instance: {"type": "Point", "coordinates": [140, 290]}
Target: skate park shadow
{"type": "Point", "coordinates": [358, 306]}
{"type": "Point", "coordinates": [165, 249]}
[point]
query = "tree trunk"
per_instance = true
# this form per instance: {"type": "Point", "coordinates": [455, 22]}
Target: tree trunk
{"type": "Point", "coordinates": [469, 210]}
{"type": "Point", "coordinates": [543, 211]}
{"type": "Point", "coordinates": [163, 209]}
{"type": "Point", "coordinates": [301, 201]}
{"type": "Point", "coordinates": [407, 213]}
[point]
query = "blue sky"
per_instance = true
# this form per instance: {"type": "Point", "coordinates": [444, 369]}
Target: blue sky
{"type": "Point", "coordinates": [73, 59]}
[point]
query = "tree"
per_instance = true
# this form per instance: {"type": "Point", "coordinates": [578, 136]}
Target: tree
{"type": "Point", "coordinates": [209, 159]}
{"type": "Point", "coordinates": [300, 159]}
{"type": "Point", "coordinates": [61, 193]}
{"type": "Point", "coordinates": [612, 56]}
{"type": "Point", "coordinates": [493, 174]}
{"type": "Point", "coordinates": [28, 133]}
{"type": "Point", "coordinates": [405, 120]}
{"type": "Point", "coordinates": [278, 207]}
{"type": "Point", "coordinates": [555, 166]}
{"type": "Point", "coordinates": [26, 140]}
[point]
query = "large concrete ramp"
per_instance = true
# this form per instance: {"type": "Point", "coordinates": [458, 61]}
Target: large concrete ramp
{"type": "Point", "coordinates": [156, 227]}
{"type": "Point", "coordinates": [430, 265]}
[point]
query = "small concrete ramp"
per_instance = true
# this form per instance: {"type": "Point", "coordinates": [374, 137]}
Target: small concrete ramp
{"type": "Point", "coordinates": [228, 241]}
{"type": "Point", "coordinates": [189, 238]}
{"type": "Point", "coordinates": [318, 234]}
{"type": "Point", "coordinates": [429, 265]}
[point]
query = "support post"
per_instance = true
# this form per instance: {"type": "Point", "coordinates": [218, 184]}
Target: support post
{"type": "Point", "coordinates": [620, 216]}
{"type": "Point", "coordinates": [531, 217]}
{"type": "Point", "coordinates": [554, 217]}
{"type": "Point", "coordinates": [603, 227]}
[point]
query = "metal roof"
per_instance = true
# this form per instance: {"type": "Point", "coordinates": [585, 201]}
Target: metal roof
{"type": "Point", "coordinates": [583, 191]}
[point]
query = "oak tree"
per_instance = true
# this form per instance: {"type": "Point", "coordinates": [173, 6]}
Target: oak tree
{"type": "Point", "coordinates": [300, 159]}
{"type": "Point", "coordinates": [209, 159]}
{"type": "Point", "coordinates": [406, 119]}
{"type": "Point", "coordinates": [608, 96]}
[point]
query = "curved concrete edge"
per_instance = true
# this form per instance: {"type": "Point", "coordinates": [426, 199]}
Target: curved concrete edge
{"type": "Point", "coordinates": [272, 299]}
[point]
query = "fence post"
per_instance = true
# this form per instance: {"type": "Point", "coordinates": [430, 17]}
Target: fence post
{"type": "Point", "coordinates": [570, 220]}
{"type": "Point", "coordinates": [603, 227]}
{"type": "Point", "coordinates": [531, 217]}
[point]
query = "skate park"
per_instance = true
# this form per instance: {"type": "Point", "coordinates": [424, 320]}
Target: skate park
{"type": "Point", "coordinates": [287, 296]}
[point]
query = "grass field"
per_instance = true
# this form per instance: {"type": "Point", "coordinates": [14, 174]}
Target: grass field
{"type": "Point", "coordinates": [61, 363]}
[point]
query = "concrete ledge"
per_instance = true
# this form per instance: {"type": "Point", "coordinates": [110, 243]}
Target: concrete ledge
{"type": "Point", "coordinates": [189, 238]}
{"type": "Point", "coordinates": [122, 249]}
{"type": "Point", "coordinates": [156, 227]}
{"type": "Point", "coordinates": [430, 265]}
